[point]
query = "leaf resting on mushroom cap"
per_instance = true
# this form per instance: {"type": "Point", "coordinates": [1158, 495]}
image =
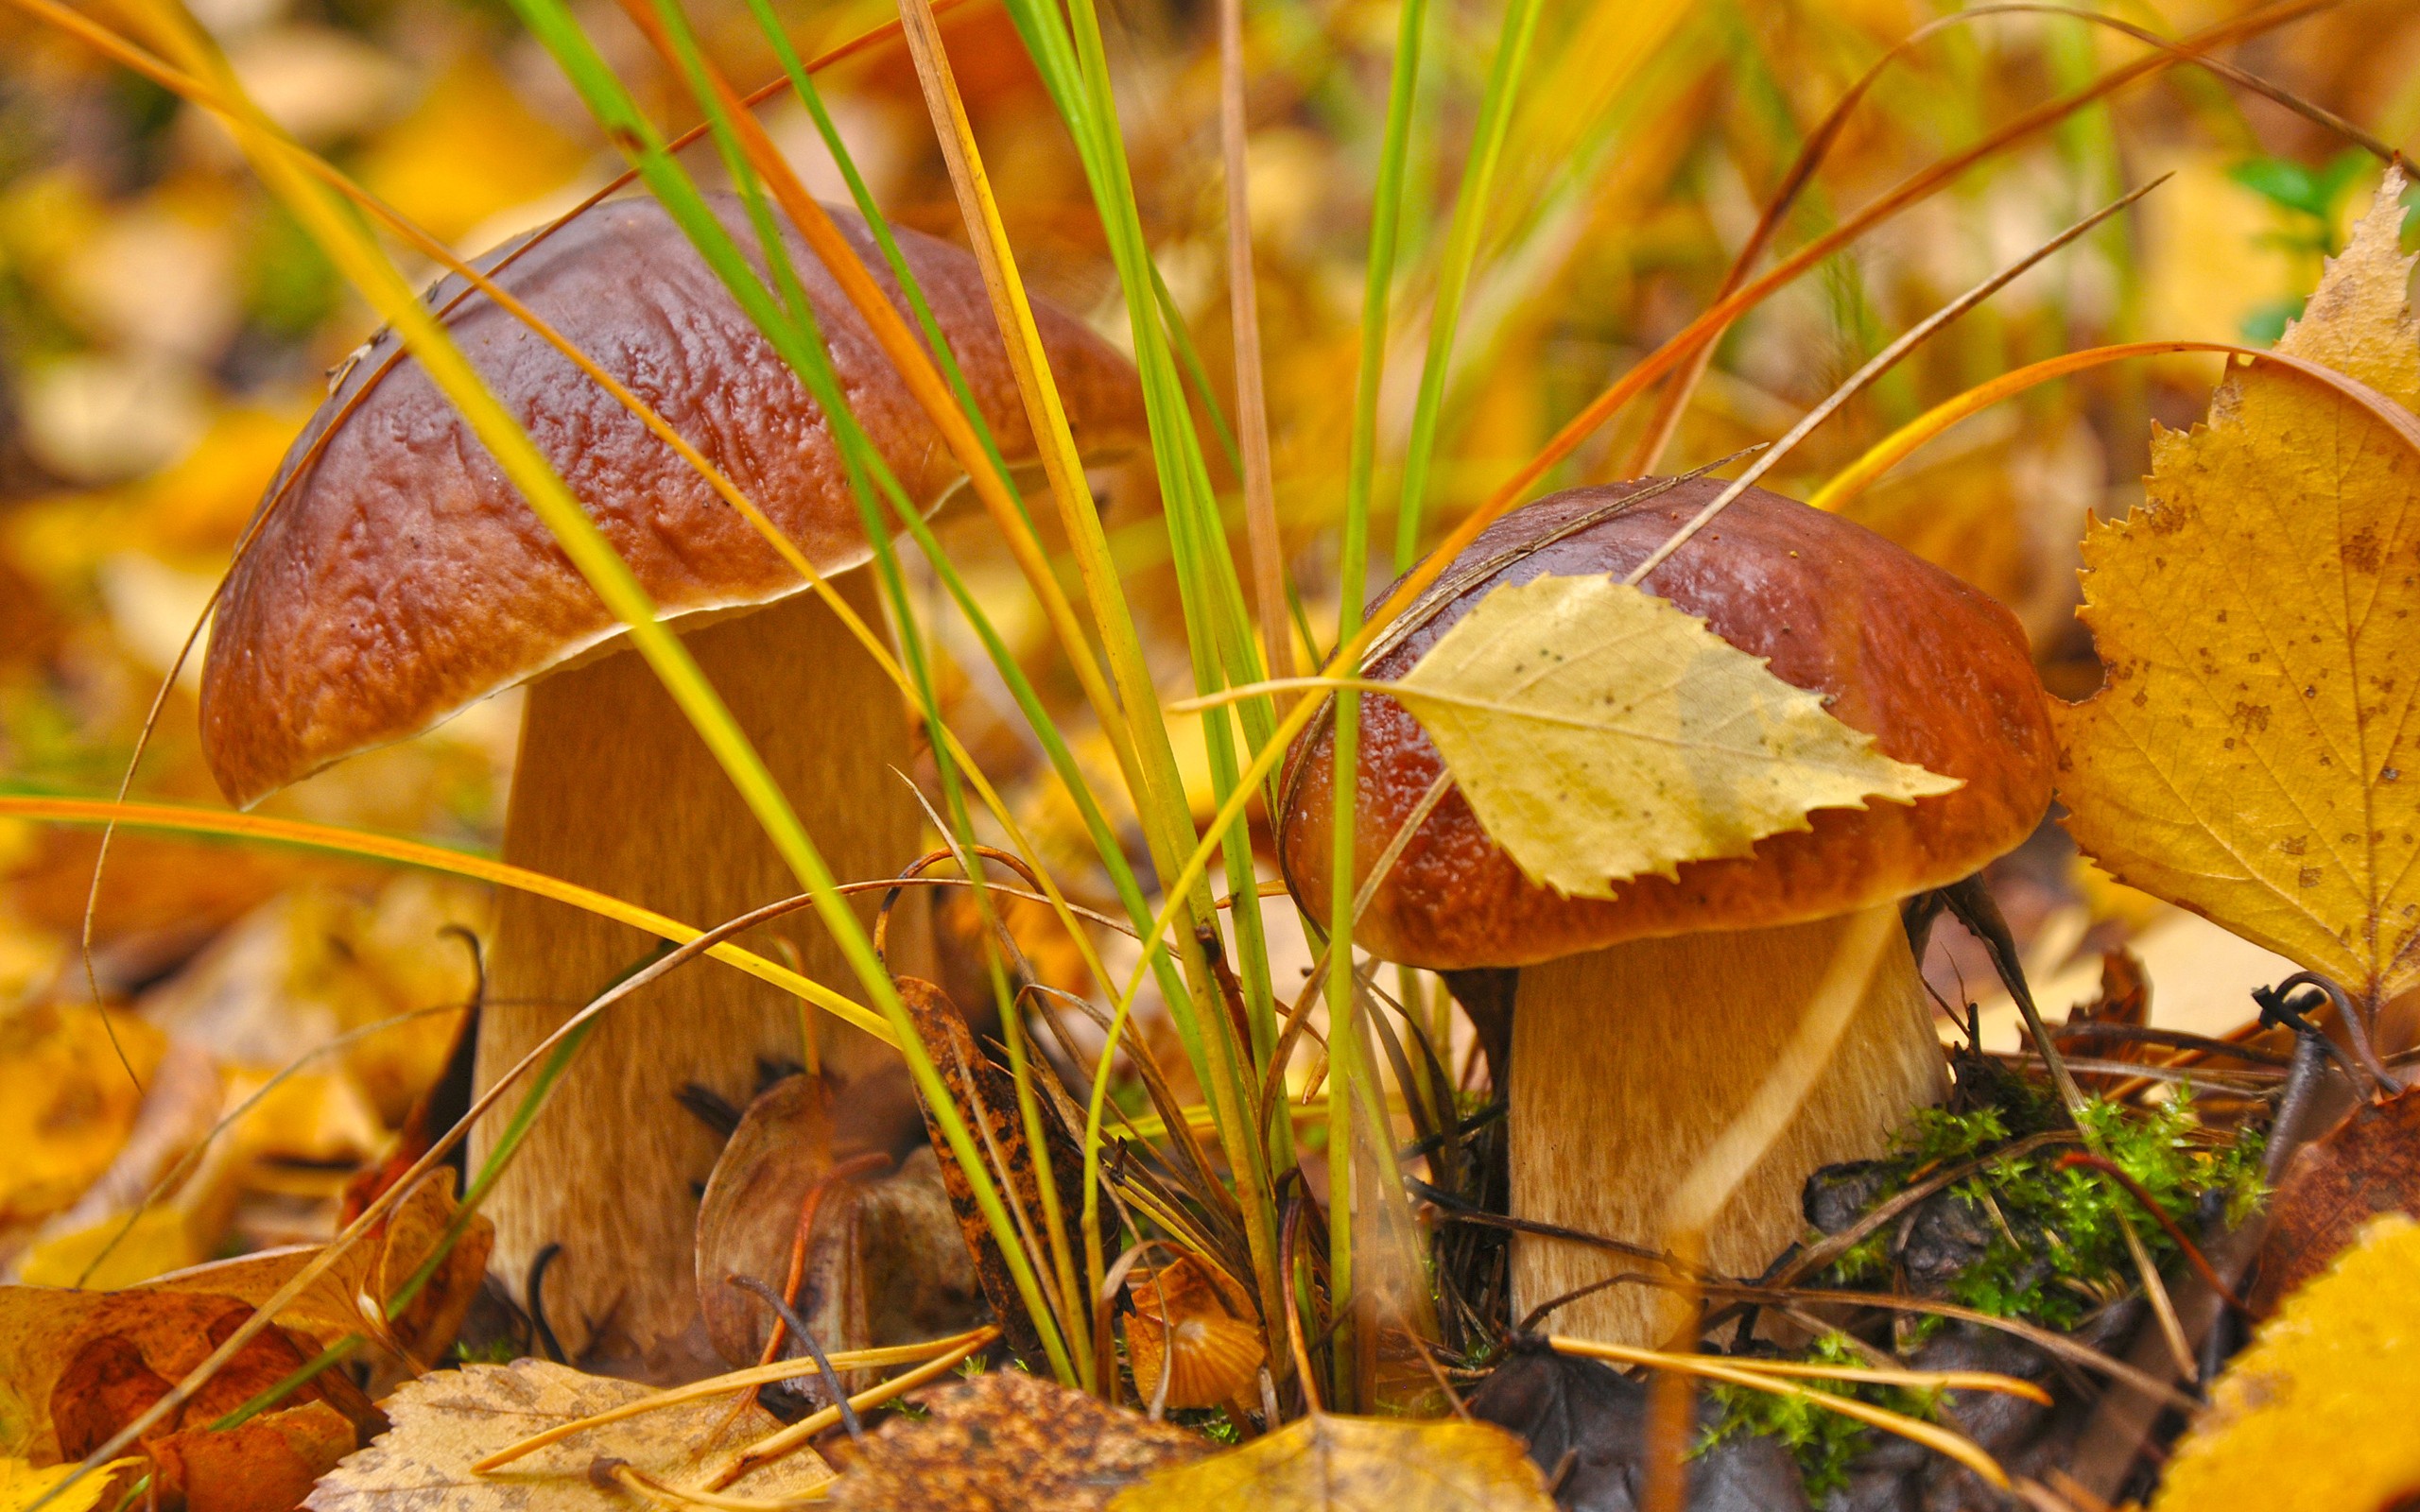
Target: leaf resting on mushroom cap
{"type": "Point", "coordinates": [1601, 733]}
{"type": "Point", "coordinates": [1329, 1464]}
{"type": "Point", "coordinates": [2253, 755]}
{"type": "Point", "coordinates": [2316, 1415]}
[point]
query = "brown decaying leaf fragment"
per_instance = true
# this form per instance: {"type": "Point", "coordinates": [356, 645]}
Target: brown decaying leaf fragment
{"type": "Point", "coordinates": [987, 1100]}
{"type": "Point", "coordinates": [79, 1366]}
{"type": "Point", "coordinates": [122, 1358]}
{"type": "Point", "coordinates": [2367, 1165]}
{"type": "Point", "coordinates": [1005, 1441]}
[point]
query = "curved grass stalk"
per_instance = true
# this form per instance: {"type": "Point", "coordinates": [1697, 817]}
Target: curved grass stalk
{"type": "Point", "coordinates": [363, 845]}
{"type": "Point", "coordinates": [1167, 822]}
{"type": "Point", "coordinates": [1819, 144]}
{"type": "Point", "coordinates": [1895, 448]}
{"type": "Point", "coordinates": [735, 1380]}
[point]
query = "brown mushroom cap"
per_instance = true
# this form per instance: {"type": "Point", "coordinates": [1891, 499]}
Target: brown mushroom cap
{"type": "Point", "coordinates": [1935, 671]}
{"type": "Point", "coordinates": [403, 578]}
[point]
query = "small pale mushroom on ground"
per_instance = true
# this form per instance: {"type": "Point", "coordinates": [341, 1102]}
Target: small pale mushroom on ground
{"type": "Point", "coordinates": [1643, 1023]}
{"type": "Point", "coordinates": [402, 578]}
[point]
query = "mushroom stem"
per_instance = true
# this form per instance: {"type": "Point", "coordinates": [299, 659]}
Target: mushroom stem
{"type": "Point", "coordinates": [1633, 1060]}
{"type": "Point", "coordinates": [613, 789]}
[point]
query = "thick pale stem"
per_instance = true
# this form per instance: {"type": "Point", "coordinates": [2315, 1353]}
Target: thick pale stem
{"type": "Point", "coordinates": [1629, 1062]}
{"type": "Point", "coordinates": [614, 790]}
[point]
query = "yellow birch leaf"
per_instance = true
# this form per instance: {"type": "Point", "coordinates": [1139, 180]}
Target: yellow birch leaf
{"type": "Point", "coordinates": [2325, 1392]}
{"type": "Point", "coordinates": [2253, 756]}
{"type": "Point", "coordinates": [1324, 1462]}
{"type": "Point", "coordinates": [1601, 733]}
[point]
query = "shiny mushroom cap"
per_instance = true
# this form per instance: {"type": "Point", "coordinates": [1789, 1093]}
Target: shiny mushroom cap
{"type": "Point", "coordinates": [1935, 671]}
{"type": "Point", "coordinates": [397, 578]}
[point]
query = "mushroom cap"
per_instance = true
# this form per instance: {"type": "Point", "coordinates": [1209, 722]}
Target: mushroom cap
{"type": "Point", "coordinates": [403, 578]}
{"type": "Point", "coordinates": [1938, 673]}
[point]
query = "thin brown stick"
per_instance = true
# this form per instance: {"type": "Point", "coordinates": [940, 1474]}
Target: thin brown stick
{"type": "Point", "coordinates": [1251, 403]}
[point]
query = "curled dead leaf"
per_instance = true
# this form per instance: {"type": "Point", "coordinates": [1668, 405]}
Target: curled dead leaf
{"type": "Point", "coordinates": [884, 1262]}
{"type": "Point", "coordinates": [986, 1099]}
{"type": "Point", "coordinates": [1194, 1325]}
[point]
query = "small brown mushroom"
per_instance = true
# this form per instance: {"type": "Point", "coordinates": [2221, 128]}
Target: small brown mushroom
{"type": "Point", "coordinates": [402, 578]}
{"type": "Point", "coordinates": [1643, 1023]}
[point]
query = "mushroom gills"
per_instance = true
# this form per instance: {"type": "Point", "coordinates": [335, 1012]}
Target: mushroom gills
{"type": "Point", "coordinates": [1631, 1062]}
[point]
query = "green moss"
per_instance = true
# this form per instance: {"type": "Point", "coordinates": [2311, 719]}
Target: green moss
{"type": "Point", "coordinates": [1825, 1443]}
{"type": "Point", "coordinates": [2058, 1248]}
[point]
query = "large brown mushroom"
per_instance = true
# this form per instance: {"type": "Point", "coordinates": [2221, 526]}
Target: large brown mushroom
{"type": "Point", "coordinates": [1643, 1023]}
{"type": "Point", "coordinates": [401, 579]}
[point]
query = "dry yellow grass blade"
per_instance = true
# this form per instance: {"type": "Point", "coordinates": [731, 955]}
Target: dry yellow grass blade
{"type": "Point", "coordinates": [789, 1440]}
{"type": "Point", "coordinates": [1940, 1441]}
{"type": "Point", "coordinates": [2248, 757]}
{"type": "Point", "coordinates": [762, 1375]}
{"type": "Point", "coordinates": [361, 843]}
{"type": "Point", "coordinates": [1896, 447]}
{"type": "Point", "coordinates": [1601, 733]}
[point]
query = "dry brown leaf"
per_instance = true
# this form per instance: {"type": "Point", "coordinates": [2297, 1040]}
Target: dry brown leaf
{"type": "Point", "coordinates": [66, 1393]}
{"type": "Point", "coordinates": [2367, 1165]}
{"type": "Point", "coordinates": [2316, 1415]}
{"type": "Point", "coordinates": [1600, 734]}
{"type": "Point", "coordinates": [1005, 1441]}
{"type": "Point", "coordinates": [267, 1464]}
{"type": "Point", "coordinates": [447, 1421]}
{"type": "Point", "coordinates": [54, 1339]}
{"type": "Point", "coordinates": [2252, 755]}
{"type": "Point", "coordinates": [775, 1162]}
{"type": "Point", "coordinates": [376, 1268]}
{"type": "Point", "coordinates": [884, 1263]}
{"type": "Point", "coordinates": [1330, 1464]}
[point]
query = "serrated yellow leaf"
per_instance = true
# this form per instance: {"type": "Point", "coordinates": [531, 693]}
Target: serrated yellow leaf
{"type": "Point", "coordinates": [1599, 734]}
{"type": "Point", "coordinates": [2253, 756]}
{"type": "Point", "coordinates": [2316, 1415]}
{"type": "Point", "coordinates": [1324, 1462]}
